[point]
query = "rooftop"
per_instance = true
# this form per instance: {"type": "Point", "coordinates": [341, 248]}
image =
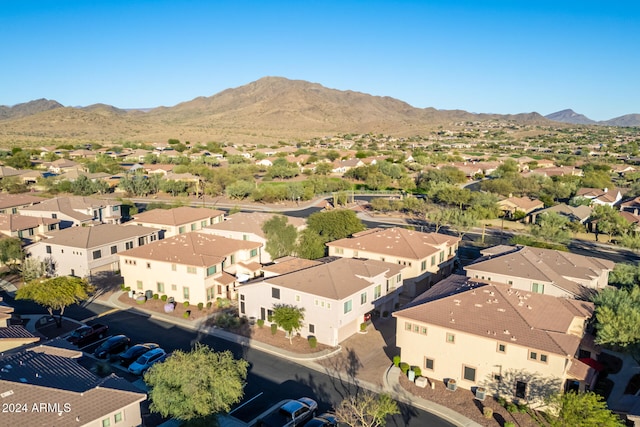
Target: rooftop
{"type": "Point", "coordinates": [98, 235]}
{"type": "Point", "coordinates": [176, 216]}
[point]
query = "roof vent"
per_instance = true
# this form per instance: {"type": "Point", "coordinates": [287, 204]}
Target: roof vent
{"type": "Point", "coordinates": [506, 332]}
{"type": "Point", "coordinates": [513, 338]}
{"type": "Point", "coordinates": [529, 307]}
{"type": "Point", "coordinates": [6, 394]}
{"type": "Point", "coordinates": [501, 310]}
{"type": "Point", "coordinates": [495, 300]}
{"type": "Point", "coordinates": [477, 305]}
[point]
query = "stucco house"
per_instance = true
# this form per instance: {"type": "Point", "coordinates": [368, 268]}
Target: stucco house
{"type": "Point", "coordinates": [579, 213]}
{"type": "Point", "coordinates": [194, 267]}
{"type": "Point", "coordinates": [605, 196]}
{"type": "Point", "coordinates": [335, 295]}
{"type": "Point", "coordinates": [13, 336]}
{"type": "Point", "coordinates": [525, 205]}
{"type": "Point", "coordinates": [179, 220]}
{"type": "Point", "coordinates": [76, 210]}
{"type": "Point", "coordinates": [248, 226]}
{"type": "Point", "coordinates": [519, 345]}
{"type": "Point", "coordinates": [11, 203]}
{"type": "Point", "coordinates": [543, 271]}
{"type": "Point", "coordinates": [27, 228]}
{"type": "Point", "coordinates": [83, 251]}
{"type": "Point", "coordinates": [429, 257]}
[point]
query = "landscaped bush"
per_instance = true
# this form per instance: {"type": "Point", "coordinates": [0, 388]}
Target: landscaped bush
{"type": "Point", "coordinates": [222, 302]}
{"type": "Point", "coordinates": [209, 304]}
{"type": "Point", "coordinates": [501, 401]}
{"type": "Point", "coordinates": [156, 296]}
{"type": "Point", "coordinates": [522, 408]}
{"type": "Point", "coordinates": [186, 304]}
{"type": "Point", "coordinates": [313, 342]}
{"type": "Point", "coordinates": [363, 326]}
{"type": "Point", "coordinates": [274, 328]}
{"type": "Point", "coordinates": [163, 298]}
{"type": "Point", "coordinates": [396, 361]}
{"type": "Point", "coordinates": [260, 323]}
{"type": "Point", "coordinates": [512, 408]}
{"type": "Point", "coordinates": [186, 314]}
{"type": "Point", "coordinates": [404, 367]}
{"type": "Point", "coordinates": [385, 313]}
{"type": "Point", "coordinates": [141, 300]}
{"type": "Point", "coordinates": [227, 321]}
{"type": "Point", "coordinates": [509, 424]}
{"type": "Point", "coordinates": [200, 306]}
{"type": "Point", "coordinates": [417, 371]}
{"type": "Point", "coordinates": [488, 413]}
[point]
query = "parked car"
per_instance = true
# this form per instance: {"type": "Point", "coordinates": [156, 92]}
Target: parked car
{"type": "Point", "coordinates": [112, 346]}
{"type": "Point", "coordinates": [147, 360]}
{"type": "Point", "coordinates": [128, 357]}
{"type": "Point", "coordinates": [87, 334]}
{"type": "Point", "coordinates": [323, 420]}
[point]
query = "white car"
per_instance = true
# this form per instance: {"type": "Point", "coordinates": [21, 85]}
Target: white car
{"type": "Point", "coordinates": [147, 360]}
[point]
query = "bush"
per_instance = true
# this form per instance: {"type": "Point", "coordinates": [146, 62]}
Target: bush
{"type": "Point", "coordinates": [487, 412]}
{"type": "Point", "coordinates": [274, 328]}
{"type": "Point", "coordinates": [404, 367]}
{"type": "Point", "coordinates": [227, 321]}
{"type": "Point", "coordinates": [260, 323]}
{"type": "Point", "coordinates": [523, 409]}
{"type": "Point", "coordinates": [209, 304]}
{"type": "Point", "coordinates": [156, 296]}
{"type": "Point", "coordinates": [512, 408]}
{"type": "Point", "coordinates": [501, 401]}
{"type": "Point", "coordinates": [396, 361]}
{"type": "Point", "coordinates": [509, 424]}
{"type": "Point", "coordinates": [385, 313]}
{"type": "Point", "coordinates": [200, 306]}
{"type": "Point", "coordinates": [127, 288]}
{"type": "Point", "coordinates": [363, 326]}
{"type": "Point", "coordinates": [186, 304]}
{"type": "Point", "coordinates": [186, 314]}
{"type": "Point", "coordinates": [163, 298]}
{"type": "Point", "coordinates": [417, 371]}
{"type": "Point", "coordinates": [313, 342]}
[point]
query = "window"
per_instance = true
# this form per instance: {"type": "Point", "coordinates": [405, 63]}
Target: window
{"type": "Point", "coordinates": [106, 422]}
{"type": "Point", "coordinates": [185, 292]}
{"type": "Point", "coordinates": [203, 224]}
{"type": "Point", "coordinates": [428, 363]}
{"type": "Point", "coordinates": [174, 287]}
{"type": "Point", "coordinates": [441, 256]}
{"type": "Point", "coordinates": [140, 241]}
{"type": "Point", "coordinates": [423, 330]}
{"type": "Point", "coordinates": [537, 288]}
{"type": "Point", "coordinates": [312, 329]}
{"type": "Point", "coordinates": [173, 267]}
{"type": "Point", "coordinates": [118, 417]}
{"type": "Point", "coordinates": [160, 287]}
{"type": "Point", "coordinates": [275, 293]}
{"type": "Point", "coordinates": [433, 260]}
{"type": "Point", "coordinates": [502, 348]}
{"type": "Point", "coordinates": [521, 389]}
{"type": "Point", "coordinates": [193, 227]}
{"type": "Point", "coordinates": [211, 293]}
{"type": "Point", "coordinates": [328, 306]}
{"type": "Point", "coordinates": [363, 298]}
{"type": "Point", "coordinates": [97, 254]}
{"type": "Point", "coordinates": [543, 358]}
{"type": "Point", "coordinates": [54, 216]}
{"type": "Point", "coordinates": [399, 278]}
{"type": "Point", "coordinates": [48, 249]}
{"type": "Point", "coordinates": [115, 209]}
{"type": "Point", "coordinates": [139, 284]}
{"type": "Point", "coordinates": [339, 251]}
{"type": "Point", "coordinates": [377, 291]}
{"type": "Point", "coordinates": [497, 377]}
{"type": "Point", "coordinates": [254, 252]}
{"type": "Point", "coordinates": [242, 308]}
{"type": "Point", "coordinates": [533, 355]}
{"type": "Point", "coordinates": [128, 245]}
{"type": "Point", "coordinates": [182, 229]}
{"type": "Point", "coordinates": [408, 326]}
{"type": "Point", "coordinates": [387, 285]}
{"type": "Point", "coordinates": [245, 237]}
{"type": "Point", "coordinates": [347, 306]}
{"type": "Point", "coordinates": [451, 338]}
{"type": "Point", "coordinates": [211, 270]}
{"type": "Point", "coordinates": [148, 265]}
{"type": "Point", "coordinates": [423, 265]}
{"type": "Point", "coordinates": [469, 373]}
{"type": "Point", "coordinates": [114, 249]}
{"type": "Point", "coordinates": [355, 254]}
{"type": "Point", "coordinates": [297, 298]}
{"type": "Point", "coordinates": [191, 269]}
{"type": "Point", "coordinates": [416, 328]}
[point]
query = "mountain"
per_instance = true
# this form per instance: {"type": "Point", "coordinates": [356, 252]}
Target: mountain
{"type": "Point", "coordinates": [629, 120]}
{"type": "Point", "coordinates": [28, 108]}
{"type": "Point", "coordinates": [570, 116]}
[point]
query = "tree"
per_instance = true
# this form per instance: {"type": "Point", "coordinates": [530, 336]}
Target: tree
{"type": "Point", "coordinates": [582, 410]}
{"type": "Point", "coordinates": [288, 317]}
{"type": "Point", "coordinates": [32, 268]}
{"type": "Point", "coordinates": [335, 224]}
{"type": "Point", "coordinates": [11, 252]}
{"type": "Point", "coordinates": [196, 384]}
{"type": "Point", "coordinates": [310, 245]}
{"type": "Point", "coordinates": [281, 236]}
{"type": "Point", "coordinates": [609, 221]}
{"type": "Point", "coordinates": [617, 316]}
{"type": "Point", "coordinates": [56, 293]}
{"type": "Point", "coordinates": [624, 275]}
{"type": "Point", "coordinates": [461, 221]}
{"type": "Point", "coordinates": [551, 227]}
{"type": "Point", "coordinates": [366, 409]}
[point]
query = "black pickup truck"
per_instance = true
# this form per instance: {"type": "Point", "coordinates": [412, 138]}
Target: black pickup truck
{"type": "Point", "coordinates": [87, 334]}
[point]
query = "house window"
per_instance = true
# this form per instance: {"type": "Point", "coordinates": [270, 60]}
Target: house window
{"type": "Point", "coordinates": [398, 278]}
{"type": "Point", "coordinates": [363, 298]}
{"type": "Point", "coordinates": [114, 249]}
{"type": "Point", "coordinates": [297, 298]}
{"type": "Point", "coordinates": [106, 422]}
{"type": "Point", "coordinates": [497, 377]}
{"type": "Point", "coordinates": [116, 209]}
{"type": "Point", "coordinates": [387, 285]}
{"type": "Point", "coordinates": [537, 288]}
{"type": "Point", "coordinates": [382, 259]}
{"type": "Point", "coordinates": [533, 355]}
{"type": "Point", "coordinates": [254, 252]}
{"type": "Point", "coordinates": [211, 293]}
{"type": "Point", "coordinates": [117, 417]}
{"type": "Point", "coordinates": [20, 234]}
{"type": "Point", "coordinates": [451, 338]}
{"type": "Point", "coordinates": [377, 291]}
{"type": "Point", "coordinates": [441, 256]}
{"type": "Point", "coordinates": [433, 260]}
{"type": "Point", "coordinates": [54, 216]}
{"type": "Point", "coordinates": [148, 265]}
{"type": "Point", "coordinates": [347, 306]}
{"type": "Point", "coordinates": [423, 330]}
{"type": "Point", "coordinates": [502, 348]}
{"type": "Point", "coordinates": [428, 363]}
{"type": "Point", "coordinates": [355, 254]}
{"type": "Point", "coordinates": [544, 358]}
{"type": "Point", "coordinates": [193, 227]}
{"type": "Point", "coordinates": [242, 307]}
{"type": "Point", "coordinates": [160, 287]}
{"type": "Point", "coordinates": [340, 251]}
{"type": "Point", "coordinates": [191, 269]}
{"type": "Point", "coordinates": [408, 326]}
{"type": "Point", "coordinates": [48, 249]}
{"type": "Point", "coordinates": [97, 254]}
{"type": "Point", "coordinates": [174, 287]}
{"type": "Point", "coordinates": [173, 267]}
{"type": "Point", "coordinates": [185, 292]}
{"type": "Point", "coordinates": [416, 328]}
{"type": "Point", "coordinates": [423, 265]}
{"type": "Point", "coordinates": [469, 373]}
{"type": "Point", "coordinates": [211, 270]}
{"type": "Point", "coordinates": [312, 329]}
{"type": "Point", "coordinates": [203, 224]}
{"type": "Point", "coordinates": [328, 306]}
{"type": "Point", "coordinates": [245, 237]}
{"type": "Point", "coordinates": [275, 293]}
{"type": "Point", "coordinates": [139, 284]}
{"type": "Point", "coordinates": [182, 229]}
{"type": "Point", "coordinates": [510, 282]}
{"type": "Point", "coordinates": [128, 245]}
{"type": "Point", "coordinates": [521, 389]}
{"type": "Point", "coordinates": [140, 241]}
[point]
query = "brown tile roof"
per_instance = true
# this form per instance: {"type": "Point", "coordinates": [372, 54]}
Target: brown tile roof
{"type": "Point", "coordinates": [176, 216]}
{"type": "Point", "coordinates": [524, 203]}
{"type": "Point", "coordinates": [251, 222]}
{"type": "Point", "coordinates": [17, 332]}
{"type": "Point", "coordinates": [14, 200]}
{"type": "Point", "coordinates": [12, 222]}
{"type": "Point", "coordinates": [71, 206]}
{"type": "Point", "coordinates": [398, 242]}
{"type": "Point", "coordinates": [289, 265]}
{"type": "Point", "coordinates": [98, 235]}
{"type": "Point", "coordinates": [500, 313]}
{"type": "Point", "coordinates": [337, 279]}
{"type": "Point", "coordinates": [197, 249]}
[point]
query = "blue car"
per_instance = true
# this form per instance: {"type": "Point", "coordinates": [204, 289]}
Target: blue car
{"type": "Point", "coordinates": [323, 420]}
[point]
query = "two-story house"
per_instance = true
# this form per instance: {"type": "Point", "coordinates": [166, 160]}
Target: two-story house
{"type": "Point", "coordinates": [516, 344]}
{"type": "Point", "coordinates": [194, 267]}
{"type": "Point", "coordinates": [248, 226]}
{"type": "Point", "coordinates": [27, 228]}
{"type": "Point", "coordinates": [179, 220]}
{"type": "Point", "coordinates": [542, 271]}
{"type": "Point", "coordinates": [11, 203]}
{"type": "Point", "coordinates": [83, 251]}
{"type": "Point", "coordinates": [335, 295]}
{"type": "Point", "coordinates": [76, 210]}
{"type": "Point", "coordinates": [429, 257]}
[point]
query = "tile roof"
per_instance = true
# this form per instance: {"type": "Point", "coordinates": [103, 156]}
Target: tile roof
{"type": "Point", "coordinates": [251, 222]}
{"type": "Point", "coordinates": [289, 265]}
{"type": "Point", "coordinates": [498, 312]}
{"type": "Point", "coordinates": [71, 206]}
{"type": "Point", "coordinates": [336, 279]}
{"type": "Point", "coordinates": [197, 249]}
{"type": "Point", "coordinates": [98, 235]}
{"type": "Point", "coordinates": [397, 241]}
{"type": "Point", "coordinates": [525, 203]}
{"type": "Point", "coordinates": [17, 332]}
{"type": "Point", "coordinates": [13, 200]}
{"type": "Point", "coordinates": [13, 222]}
{"type": "Point", "coordinates": [176, 216]}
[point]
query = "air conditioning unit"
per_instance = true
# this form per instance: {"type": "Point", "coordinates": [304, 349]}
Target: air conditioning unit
{"type": "Point", "coordinates": [452, 385]}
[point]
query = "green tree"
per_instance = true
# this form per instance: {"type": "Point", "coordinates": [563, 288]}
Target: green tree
{"type": "Point", "coordinates": [32, 268]}
{"type": "Point", "coordinates": [323, 168]}
{"type": "Point", "coordinates": [552, 227]}
{"type": "Point", "coordinates": [288, 317]}
{"type": "Point", "coordinates": [366, 409]}
{"type": "Point", "coordinates": [281, 236]}
{"type": "Point", "coordinates": [196, 384]}
{"type": "Point", "coordinates": [582, 410]}
{"type": "Point", "coordinates": [335, 224]}
{"type": "Point", "coordinates": [617, 318]}
{"type": "Point", "coordinates": [377, 181]}
{"type": "Point", "coordinates": [609, 221]}
{"type": "Point", "coordinates": [11, 253]}
{"type": "Point", "coordinates": [82, 186]}
{"type": "Point", "coordinates": [310, 245]}
{"type": "Point", "coordinates": [462, 221]}
{"type": "Point", "coordinates": [625, 275]}
{"type": "Point", "coordinates": [240, 189]}
{"type": "Point", "coordinates": [56, 293]}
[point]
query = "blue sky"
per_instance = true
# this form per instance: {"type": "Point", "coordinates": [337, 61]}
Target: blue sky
{"type": "Point", "coordinates": [506, 56]}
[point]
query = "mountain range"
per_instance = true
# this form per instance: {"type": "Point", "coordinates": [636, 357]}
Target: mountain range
{"type": "Point", "coordinates": [267, 110]}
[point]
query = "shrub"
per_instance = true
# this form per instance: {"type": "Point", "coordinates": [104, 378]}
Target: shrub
{"type": "Point", "coordinates": [363, 326]}
{"type": "Point", "coordinates": [141, 300]}
{"type": "Point", "coordinates": [260, 323]}
{"type": "Point", "coordinates": [127, 288]}
{"type": "Point", "coordinates": [200, 306]}
{"type": "Point", "coordinates": [163, 298]}
{"type": "Point", "coordinates": [209, 304]}
{"type": "Point", "coordinates": [186, 304]}
{"type": "Point", "coordinates": [417, 371]}
{"type": "Point", "coordinates": [523, 409]}
{"type": "Point", "coordinates": [186, 314]}
{"type": "Point", "coordinates": [222, 302]}
{"type": "Point", "coordinates": [274, 328]}
{"type": "Point", "coordinates": [509, 424]}
{"type": "Point", "coordinates": [396, 361]}
{"type": "Point", "coordinates": [512, 408]}
{"type": "Point", "coordinates": [487, 412]}
{"type": "Point", "coordinates": [313, 342]}
{"type": "Point", "coordinates": [156, 296]}
{"type": "Point", "coordinates": [385, 314]}
{"type": "Point", "coordinates": [404, 367]}
{"type": "Point", "coordinates": [501, 401]}
{"type": "Point", "coordinates": [227, 321]}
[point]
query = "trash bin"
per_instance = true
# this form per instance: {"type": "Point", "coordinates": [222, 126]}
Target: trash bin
{"type": "Point", "coordinates": [148, 294]}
